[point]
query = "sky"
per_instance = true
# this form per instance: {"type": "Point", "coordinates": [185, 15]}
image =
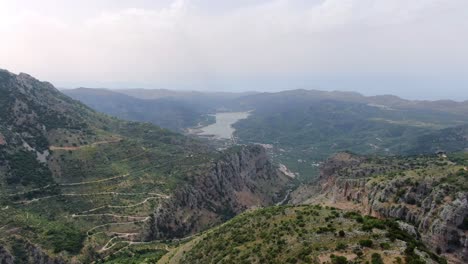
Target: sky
{"type": "Point", "coordinates": [415, 49]}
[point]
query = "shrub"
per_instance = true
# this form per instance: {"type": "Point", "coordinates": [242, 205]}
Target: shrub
{"type": "Point", "coordinates": [358, 252]}
{"type": "Point", "coordinates": [65, 238]}
{"type": "Point", "coordinates": [341, 233]}
{"type": "Point", "coordinates": [341, 246]}
{"type": "Point", "coordinates": [385, 246]}
{"type": "Point", "coordinates": [338, 259]}
{"type": "Point", "coordinates": [376, 259]}
{"type": "Point", "coordinates": [365, 243]}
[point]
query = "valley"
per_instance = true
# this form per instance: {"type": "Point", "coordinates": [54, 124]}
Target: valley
{"type": "Point", "coordinates": [108, 184]}
{"type": "Point", "coordinates": [270, 176]}
{"type": "Point", "coordinates": [301, 128]}
{"type": "Point", "coordinates": [233, 132]}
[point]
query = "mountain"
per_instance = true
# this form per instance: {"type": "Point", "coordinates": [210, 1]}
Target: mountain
{"type": "Point", "coordinates": [175, 110]}
{"type": "Point", "coordinates": [211, 99]}
{"type": "Point", "coordinates": [429, 193]}
{"type": "Point", "coordinates": [165, 112]}
{"type": "Point", "coordinates": [303, 127]}
{"type": "Point", "coordinates": [77, 185]}
{"type": "Point", "coordinates": [307, 126]}
{"type": "Point", "coordinates": [450, 139]}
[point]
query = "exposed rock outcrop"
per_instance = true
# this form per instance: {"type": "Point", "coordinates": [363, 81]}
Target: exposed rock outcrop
{"type": "Point", "coordinates": [5, 256]}
{"type": "Point", "coordinates": [30, 254]}
{"type": "Point", "coordinates": [438, 211]}
{"type": "Point", "coordinates": [241, 179]}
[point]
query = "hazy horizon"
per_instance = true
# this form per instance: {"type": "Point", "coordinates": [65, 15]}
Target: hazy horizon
{"type": "Point", "coordinates": [411, 49]}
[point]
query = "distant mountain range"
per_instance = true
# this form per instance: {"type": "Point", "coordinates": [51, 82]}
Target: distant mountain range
{"type": "Point", "coordinates": [174, 110]}
{"type": "Point", "coordinates": [304, 126]}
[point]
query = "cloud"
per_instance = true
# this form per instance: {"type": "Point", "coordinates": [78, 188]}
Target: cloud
{"type": "Point", "coordinates": [187, 43]}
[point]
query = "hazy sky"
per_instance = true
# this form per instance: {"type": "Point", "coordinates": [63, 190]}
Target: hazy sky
{"type": "Point", "coordinates": [411, 48]}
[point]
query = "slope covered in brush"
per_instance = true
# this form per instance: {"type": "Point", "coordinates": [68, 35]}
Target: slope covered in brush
{"type": "Point", "coordinates": [307, 234]}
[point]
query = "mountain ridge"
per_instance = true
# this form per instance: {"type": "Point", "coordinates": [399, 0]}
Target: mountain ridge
{"type": "Point", "coordinates": [78, 185]}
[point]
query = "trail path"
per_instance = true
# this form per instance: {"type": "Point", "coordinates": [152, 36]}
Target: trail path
{"type": "Point", "coordinates": [118, 223]}
{"type": "Point", "coordinates": [69, 184]}
{"type": "Point", "coordinates": [111, 215]}
{"type": "Point", "coordinates": [89, 145]}
{"type": "Point", "coordinates": [96, 181]}
{"type": "Point", "coordinates": [124, 206]}
{"type": "Point", "coordinates": [90, 194]}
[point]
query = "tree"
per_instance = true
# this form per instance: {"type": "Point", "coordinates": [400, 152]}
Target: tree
{"type": "Point", "coordinates": [341, 233]}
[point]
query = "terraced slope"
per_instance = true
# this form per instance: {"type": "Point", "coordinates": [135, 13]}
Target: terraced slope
{"type": "Point", "coordinates": [304, 234]}
{"type": "Point", "coordinates": [77, 185]}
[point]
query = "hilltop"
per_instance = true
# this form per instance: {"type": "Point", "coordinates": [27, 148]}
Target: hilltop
{"type": "Point", "coordinates": [304, 234]}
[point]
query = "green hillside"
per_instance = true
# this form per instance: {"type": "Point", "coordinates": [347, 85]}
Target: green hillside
{"type": "Point", "coordinates": [306, 127]}
{"type": "Point", "coordinates": [307, 234]}
{"type": "Point", "coordinates": [77, 185]}
{"type": "Point", "coordinates": [170, 113]}
{"type": "Point", "coordinates": [73, 178]}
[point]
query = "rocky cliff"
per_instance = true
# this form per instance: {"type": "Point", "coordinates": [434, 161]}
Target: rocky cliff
{"type": "Point", "coordinates": [27, 253]}
{"type": "Point", "coordinates": [427, 192]}
{"type": "Point", "coordinates": [241, 179]}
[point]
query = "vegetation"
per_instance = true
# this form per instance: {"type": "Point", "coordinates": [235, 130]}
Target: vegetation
{"type": "Point", "coordinates": [76, 184]}
{"type": "Point", "coordinates": [296, 234]}
{"type": "Point", "coordinates": [73, 180]}
{"type": "Point", "coordinates": [25, 169]}
{"type": "Point", "coordinates": [306, 127]}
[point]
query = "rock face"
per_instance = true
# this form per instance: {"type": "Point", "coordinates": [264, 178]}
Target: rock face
{"type": "Point", "coordinates": [239, 180]}
{"type": "Point", "coordinates": [5, 256]}
{"type": "Point", "coordinates": [437, 210]}
{"type": "Point", "coordinates": [32, 254]}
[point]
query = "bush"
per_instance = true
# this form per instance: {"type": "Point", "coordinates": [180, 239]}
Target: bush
{"type": "Point", "coordinates": [376, 259]}
{"type": "Point", "coordinates": [371, 223]}
{"type": "Point", "coordinates": [338, 259]}
{"type": "Point", "coordinates": [325, 229]}
{"type": "Point", "coordinates": [65, 238]}
{"type": "Point", "coordinates": [365, 243]}
{"type": "Point", "coordinates": [385, 246]}
{"type": "Point", "coordinates": [341, 246]}
{"type": "Point", "coordinates": [341, 233]}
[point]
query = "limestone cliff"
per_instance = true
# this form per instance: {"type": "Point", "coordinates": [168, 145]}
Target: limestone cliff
{"type": "Point", "coordinates": [239, 180]}
{"type": "Point", "coordinates": [29, 253]}
{"type": "Point", "coordinates": [428, 193]}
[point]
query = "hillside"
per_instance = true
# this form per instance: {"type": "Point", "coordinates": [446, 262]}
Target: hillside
{"type": "Point", "coordinates": [303, 127]}
{"type": "Point", "coordinates": [175, 110]}
{"type": "Point", "coordinates": [304, 234]}
{"type": "Point", "coordinates": [169, 113]}
{"type": "Point", "coordinates": [307, 126]}
{"type": "Point", "coordinates": [77, 185]}
{"type": "Point", "coordinates": [429, 193]}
